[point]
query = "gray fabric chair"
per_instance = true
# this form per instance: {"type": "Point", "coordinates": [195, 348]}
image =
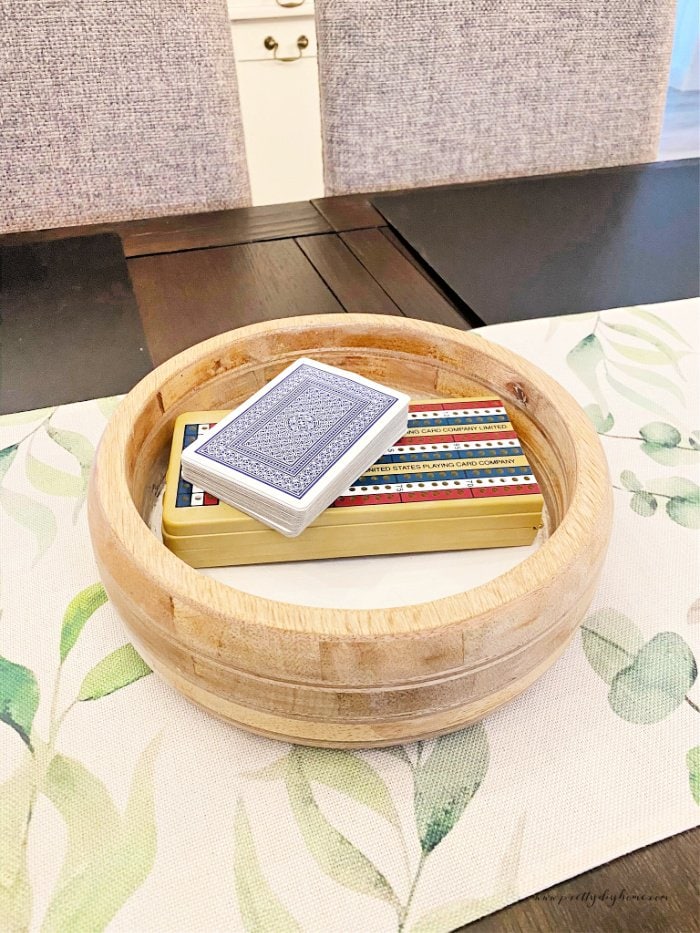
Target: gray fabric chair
{"type": "Point", "coordinates": [434, 91]}
{"type": "Point", "coordinates": [117, 110]}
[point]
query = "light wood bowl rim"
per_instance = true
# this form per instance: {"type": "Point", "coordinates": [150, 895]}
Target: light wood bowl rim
{"type": "Point", "coordinates": [580, 524]}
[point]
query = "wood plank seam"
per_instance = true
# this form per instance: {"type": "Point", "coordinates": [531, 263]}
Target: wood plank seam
{"type": "Point", "coordinates": [438, 283]}
{"type": "Point", "coordinates": [375, 252]}
{"type": "Point", "coordinates": [357, 259]}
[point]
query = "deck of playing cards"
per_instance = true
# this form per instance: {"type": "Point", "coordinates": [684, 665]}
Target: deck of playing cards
{"type": "Point", "coordinates": [288, 452]}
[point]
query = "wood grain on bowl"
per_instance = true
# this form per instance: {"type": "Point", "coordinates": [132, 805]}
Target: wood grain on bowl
{"type": "Point", "coordinates": [341, 677]}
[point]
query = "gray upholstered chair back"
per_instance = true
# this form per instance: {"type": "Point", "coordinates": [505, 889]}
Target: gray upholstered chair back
{"type": "Point", "coordinates": [421, 92]}
{"type": "Point", "coordinates": [116, 109]}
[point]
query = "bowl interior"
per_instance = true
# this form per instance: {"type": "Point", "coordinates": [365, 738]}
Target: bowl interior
{"type": "Point", "coordinates": [149, 445]}
{"type": "Point", "coordinates": [422, 360]}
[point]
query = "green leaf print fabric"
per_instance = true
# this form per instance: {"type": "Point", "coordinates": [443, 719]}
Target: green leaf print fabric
{"type": "Point", "coordinates": [123, 807]}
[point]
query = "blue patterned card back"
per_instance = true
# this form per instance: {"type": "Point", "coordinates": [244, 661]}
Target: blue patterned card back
{"type": "Point", "coordinates": [297, 431]}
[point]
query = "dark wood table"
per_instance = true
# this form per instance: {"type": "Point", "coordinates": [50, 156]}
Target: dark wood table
{"type": "Point", "coordinates": [198, 275]}
{"type": "Point", "coordinates": [612, 238]}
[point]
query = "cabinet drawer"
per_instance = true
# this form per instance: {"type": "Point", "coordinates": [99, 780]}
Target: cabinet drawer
{"type": "Point", "coordinates": [259, 9]}
{"type": "Point", "coordinates": [249, 39]}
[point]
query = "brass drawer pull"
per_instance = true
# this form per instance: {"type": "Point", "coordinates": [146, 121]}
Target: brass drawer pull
{"type": "Point", "coordinates": [291, 3]}
{"type": "Point", "coordinates": [271, 44]}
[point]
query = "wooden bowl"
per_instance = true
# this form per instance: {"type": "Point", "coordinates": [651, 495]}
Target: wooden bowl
{"type": "Point", "coordinates": [341, 677]}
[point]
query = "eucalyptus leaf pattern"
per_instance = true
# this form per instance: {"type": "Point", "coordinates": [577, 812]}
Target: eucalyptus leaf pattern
{"type": "Point", "coordinates": [637, 398]}
{"type": "Point", "coordinates": [7, 455]}
{"type": "Point", "coordinates": [602, 423]}
{"type": "Point", "coordinates": [684, 511]}
{"type": "Point", "coordinates": [644, 504]}
{"type": "Point", "coordinates": [628, 357]}
{"type": "Point", "coordinates": [661, 323]}
{"type": "Point", "coordinates": [585, 360]}
{"type": "Point", "coordinates": [109, 854]}
{"type": "Point", "coordinates": [252, 834]}
{"type": "Point", "coordinates": [335, 854]}
{"type": "Point", "coordinates": [447, 773]}
{"type": "Point", "coordinates": [443, 790]}
{"type": "Point", "coordinates": [37, 518]}
{"type": "Point", "coordinates": [119, 669]}
{"type": "Point", "coordinates": [662, 442]}
{"type": "Point", "coordinates": [648, 680]}
{"type": "Point", "coordinates": [661, 353]}
{"type": "Point", "coordinates": [109, 405]}
{"type": "Point", "coordinates": [693, 615]}
{"type": "Point", "coordinates": [650, 377]}
{"type": "Point", "coordinates": [261, 909]}
{"type": "Point", "coordinates": [459, 912]}
{"type": "Point", "coordinates": [75, 444]}
{"type": "Point", "coordinates": [656, 682]}
{"type": "Point", "coordinates": [26, 417]}
{"type": "Point", "coordinates": [348, 774]}
{"type": "Point", "coordinates": [610, 641]}
{"type": "Point", "coordinates": [693, 762]}
{"type": "Point", "coordinates": [16, 799]}
{"type": "Point", "coordinates": [50, 480]}
{"type": "Point", "coordinates": [398, 751]}
{"type": "Point", "coordinates": [19, 698]}
{"type": "Point", "coordinates": [681, 495]}
{"type": "Point", "coordinates": [660, 434]}
{"type": "Point", "coordinates": [630, 482]}
{"type": "Point", "coordinates": [79, 610]}
{"type": "Point", "coordinates": [670, 456]}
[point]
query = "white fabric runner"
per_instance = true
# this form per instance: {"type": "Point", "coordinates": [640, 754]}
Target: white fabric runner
{"type": "Point", "coordinates": [123, 806]}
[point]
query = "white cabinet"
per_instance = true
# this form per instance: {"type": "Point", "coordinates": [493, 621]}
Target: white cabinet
{"type": "Point", "coordinates": [261, 9]}
{"type": "Point", "coordinates": [275, 49]}
{"type": "Point", "coordinates": [282, 130]}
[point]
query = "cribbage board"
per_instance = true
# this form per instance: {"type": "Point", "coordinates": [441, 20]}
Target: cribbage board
{"type": "Point", "coordinates": [458, 478]}
{"type": "Point", "coordinates": [189, 496]}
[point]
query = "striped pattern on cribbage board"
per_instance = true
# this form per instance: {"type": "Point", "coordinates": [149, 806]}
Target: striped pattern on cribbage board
{"type": "Point", "coordinates": [458, 449]}
{"type": "Point", "coordinates": [187, 494]}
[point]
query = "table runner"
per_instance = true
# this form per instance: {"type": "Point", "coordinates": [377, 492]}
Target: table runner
{"type": "Point", "coordinates": [123, 806]}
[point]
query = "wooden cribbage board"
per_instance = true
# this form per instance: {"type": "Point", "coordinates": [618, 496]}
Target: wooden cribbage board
{"type": "Point", "coordinates": [457, 479]}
